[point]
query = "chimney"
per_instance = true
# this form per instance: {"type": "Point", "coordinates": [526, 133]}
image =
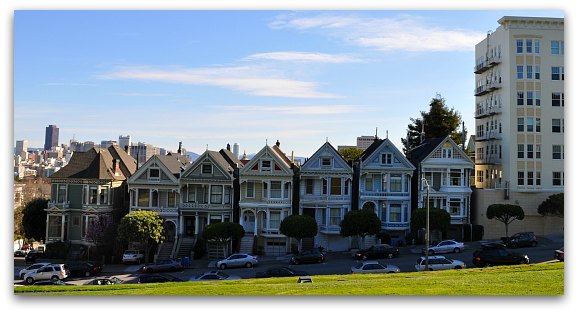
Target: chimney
{"type": "Point", "coordinates": [278, 144]}
{"type": "Point", "coordinates": [180, 146]}
{"type": "Point", "coordinates": [228, 147]}
{"type": "Point", "coordinates": [126, 149]}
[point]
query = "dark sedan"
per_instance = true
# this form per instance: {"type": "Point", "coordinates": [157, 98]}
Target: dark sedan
{"type": "Point", "coordinates": [282, 271]}
{"type": "Point", "coordinates": [381, 251]}
{"type": "Point", "coordinates": [308, 256]}
{"type": "Point", "coordinates": [32, 256]}
{"type": "Point", "coordinates": [85, 269]}
{"type": "Point", "coordinates": [489, 255]}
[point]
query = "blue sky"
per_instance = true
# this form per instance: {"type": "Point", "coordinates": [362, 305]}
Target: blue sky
{"type": "Point", "coordinates": [208, 78]}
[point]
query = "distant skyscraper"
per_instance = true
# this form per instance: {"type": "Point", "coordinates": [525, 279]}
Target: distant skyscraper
{"type": "Point", "coordinates": [124, 141]}
{"type": "Point", "coordinates": [22, 148]}
{"type": "Point", "coordinates": [364, 142]}
{"type": "Point", "coordinates": [51, 139]}
{"type": "Point", "coordinates": [236, 149]}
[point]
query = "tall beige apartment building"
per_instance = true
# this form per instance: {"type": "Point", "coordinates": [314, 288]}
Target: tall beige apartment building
{"type": "Point", "coordinates": [519, 145]}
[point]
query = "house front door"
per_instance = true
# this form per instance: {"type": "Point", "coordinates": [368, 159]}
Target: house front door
{"type": "Point", "coordinates": [249, 222]}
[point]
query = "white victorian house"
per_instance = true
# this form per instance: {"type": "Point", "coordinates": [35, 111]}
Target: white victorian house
{"type": "Point", "coordinates": [325, 194]}
{"type": "Point", "coordinates": [266, 188]}
{"type": "Point", "coordinates": [447, 169]}
{"type": "Point", "coordinates": [155, 187]}
{"type": "Point", "coordinates": [385, 188]}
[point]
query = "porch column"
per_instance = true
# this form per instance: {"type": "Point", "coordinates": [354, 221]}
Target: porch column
{"type": "Point", "coordinates": [181, 224]}
{"type": "Point", "coordinates": [47, 226]}
{"type": "Point", "coordinates": [196, 224]}
{"type": "Point", "coordinates": [62, 228]}
{"type": "Point", "coordinates": [256, 221]}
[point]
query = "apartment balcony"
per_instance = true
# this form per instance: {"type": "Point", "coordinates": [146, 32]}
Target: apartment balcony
{"type": "Point", "coordinates": [487, 64]}
{"type": "Point", "coordinates": [487, 88]}
{"type": "Point", "coordinates": [494, 60]}
{"type": "Point", "coordinates": [482, 113]}
{"type": "Point", "coordinates": [381, 195]}
{"type": "Point", "coordinates": [488, 136]}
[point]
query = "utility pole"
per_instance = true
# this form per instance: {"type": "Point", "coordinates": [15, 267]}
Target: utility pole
{"type": "Point", "coordinates": [426, 226]}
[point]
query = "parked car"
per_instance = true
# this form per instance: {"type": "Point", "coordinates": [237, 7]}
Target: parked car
{"type": "Point", "coordinates": [32, 256]}
{"type": "Point", "coordinates": [162, 266]}
{"type": "Point", "coordinates": [282, 271]}
{"type": "Point", "coordinates": [559, 254]}
{"type": "Point", "coordinates": [85, 269]}
{"type": "Point", "coordinates": [31, 268]}
{"type": "Point", "coordinates": [49, 282]}
{"type": "Point", "coordinates": [380, 251]}
{"type": "Point", "coordinates": [20, 252]}
{"type": "Point", "coordinates": [438, 262]}
{"type": "Point", "coordinates": [133, 256]}
{"type": "Point", "coordinates": [373, 267]}
{"type": "Point", "coordinates": [156, 278]}
{"type": "Point", "coordinates": [308, 256]}
{"type": "Point", "coordinates": [238, 260]}
{"type": "Point", "coordinates": [105, 281]}
{"type": "Point", "coordinates": [50, 271]}
{"type": "Point", "coordinates": [214, 275]}
{"type": "Point", "coordinates": [446, 246]}
{"type": "Point", "coordinates": [497, 254]}
{"type": "Point", "coordinates": [524, 239]}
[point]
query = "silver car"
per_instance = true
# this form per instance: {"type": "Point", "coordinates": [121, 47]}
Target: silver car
{"type": "Point", "coordinates": [162, 265]}
{"type": "Point", "coordinates": [373, 267]}
{"type": "Point", "coordinates": [215, 275]}
{"type": "Point", "coordinates": [238, 260]}
{"type": "Point", "coordinates": [51, 271]}
{"type": "Point", "coordinates": [438, 262]}
{"type": "Point", "coordinates": [31, 268]}
{"type": "Point", "coordinates": [446, 246]}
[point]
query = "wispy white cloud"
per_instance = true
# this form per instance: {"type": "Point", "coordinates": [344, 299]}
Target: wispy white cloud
{"type": "Point", "coordinates": [253, 80]}
{"type": "Point", "coordinates": [296, 56]}
{"type": "Point", "coordinates": [140, 94]}
{"type": "Point", "coordinates": [401, 33]}
{"type": "Point", "coordinates": [286, 110]}
{"type": "Point", "coordinates": [70, 84]}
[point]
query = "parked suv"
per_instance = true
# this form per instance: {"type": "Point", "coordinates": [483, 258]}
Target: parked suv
{"type": "Point", "coordinates": [50, 271]}
{"type": "Point", "coordinates": [133, 256]}
{"type": "Point", "coordinates": [377, 252]}
{"type": "Point", "coordinates": [525, 239]}
{"type": "Point", "coordinates": [438, 262]}
{"type": "Point", "coordinates": [308, 256]}
{"type": "Point", "coordinates": [497, 254]}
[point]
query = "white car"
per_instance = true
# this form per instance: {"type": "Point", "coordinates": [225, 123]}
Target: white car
{"type": "Point", "coordinates": [446, 246]}
{"type": "Point", "coordinates": [133, 256]}
{"type": "Point", "coordinates": [31, 268]}
{"type": "Point", "coordinates": [373, 267]}
{"type": "Point", "coordinates": [50, 271]}
{"type": "Point", "coordinates": [438, 262]}
{"type": "Point", "coordinates": [215, 275]}
{"type": "Point", "coordinates": [238, 260]}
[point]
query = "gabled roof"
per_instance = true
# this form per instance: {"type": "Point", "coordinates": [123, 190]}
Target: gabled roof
{"type": "Point", "coordinates": [419, 153]}
{"type": "Point", "coordinates": [378, 144]}
{"type": "Point", "coordinates": [326, 146]}
{"type": "Point", "coordinates": [275, 152]}
{"type": "Point", "coordinates": [369, 150]}
{"type": "Point", "coordinates": [174, 163]}
{"type": "Point", "coordinates": [171, 165]}
{"type": "Point", "coordinates": [281, 155]}
{"type": "Point", "coordinates": [224, 159]}
{"type": "Point", "coordinates": [97, 163]}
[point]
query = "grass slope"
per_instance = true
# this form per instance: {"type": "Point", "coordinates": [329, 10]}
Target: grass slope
{"type": "Point", "coordinates": [524, 280]}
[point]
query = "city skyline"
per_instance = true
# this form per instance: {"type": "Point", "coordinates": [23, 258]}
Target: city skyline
{"type": "Point", "coordinates": [251, 77]}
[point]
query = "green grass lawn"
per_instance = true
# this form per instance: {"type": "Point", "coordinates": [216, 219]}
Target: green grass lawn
{"type": "Point", "coordinates": [524, 280]}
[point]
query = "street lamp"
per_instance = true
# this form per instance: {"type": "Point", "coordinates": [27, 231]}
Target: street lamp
{"type": "Point", "coordinates": [426, 226]}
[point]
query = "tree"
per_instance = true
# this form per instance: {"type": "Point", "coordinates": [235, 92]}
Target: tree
{"type": "Point", "coordinates": [440, 121]}
{"type": "Point", "coordinates": [505, 213]}
{"type": "Point", "coordinates": [552, 206]}
{"type": "Point", "coordinates": [101, 232]}
{"type": "Point", "coordinates": [350, 154]}
{"type": "Point", "coordinates": [299, 227]}
{"type": "Point", "coordinates": [438, 219]}
{"type": "Point", "coordinates": [34, 219]}
{"type": "Point", "coordinates": [223, 233]}
{"type": "Point", "coordinates": [144, 227]}
{"type": "Point", "coordinates": [360, 223]}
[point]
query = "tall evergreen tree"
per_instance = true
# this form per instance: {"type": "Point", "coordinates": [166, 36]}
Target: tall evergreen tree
{"type": "Point", "coordinates": [439, 121]}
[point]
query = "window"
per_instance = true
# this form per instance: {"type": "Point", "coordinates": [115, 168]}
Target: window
{"type": "Point", "coordinates": [326, 162]}
{"type": "Point", "coordinates": [335, 186]}
{"type": "Point", "coordinates": [455, 177]}
{"type": "Point", "coordinates": [530, 179]}
{"type": "Point", "coordinates": [61, 194]}
{"type": "Point", "coordinates": [334, 216]}
{"type": "Point", "coordinates": [347, 182]}
{"type": "Point", "coordinates": [520, 178]}
{"type": "Point", "coordinates": [154, 174]}
{"type": "Point", "coordinates": [191, 195]}
{"type": "Point", "coordinates": [538, 95]}
{"type": "Point", "coordinates": [557, 178]}
{"type": "Point", "coordinates": [171, 203]}
{"type": "Point", "coordinates": [324, 187]}
{"type": "Point", "coordinates": [519, 46]}
{"type": "Point", "coordinates": [228, 195]}
{"type": "Point", "coordinates": [447, 153]}
{"type": "Point", "coordinates": [557, 152]}
{"type": "Point", "coordinates": [556, 99]}
{"type": "Point", "coordinates": [265, 166]}
{"type": "Point", "coordinates": [54, 226]}
{"type": "Point", "coordinates": [538, 151]}
{"type": "Point", "coordinates": [520, 71]}
{"type": "Point", "coordinates": [309, 186]}
{"type": "Point", "coordinates": [216, 194]}
{"type": "Point", "coordinates": [480, 176]}
{"type": "Point", "coordinates": [92, 194]}
{"type": "Point", "coordinates": [557, 47]}
{"type": "Point", "coordinates": [520, 97]}
{"type": "Point", "coordinates": [528, 45]}
{"type": "Point", "coordinates": [455, 206]}
{"type": "Point", "coordinates": [530, 125]}
{"type": "Point", "coordinates": [250, 190]}
{"type": "Point", "coordinates": [276, 189]}
{"type": "Point", "coordinates": [555, 125]}
{"type": "Point", "coordinates": [155, 198]}
{"type": "Point", "coordinates": [103, 195]}
{"type": "Point", "coordinates": [529, 72]}
{"type": "Point", "coordinates": [274, 219]}
{"type": "Point", "coordinates": [386, 158]}
{"type": "Point", "coordinates": [395, 213]}
{"type": "Point", "coordinates": [538, 124]}
{"type": "Point", "coordinates": [384, 182]}
{"type": "Point", "coordinates": [520, 124]}
{"type": "Point", "coordinates": [287, 190]}
{"type": "Point", "coordinates": [538, 178]}
{"type": "Point", "coordinates": [143, 197]}
{"type": "Point", "coordinates": [520, 151]}
{"type": "Point", "coordinates": [368, 182]}
{"type": "Point", "coordinates": [530, 151]}
{"type": "Point", "coordinates": [537, 46]}
{"type": "Point", "coordinates": [395, 183]}
{"type": "Point", "coordinates": [207, 169]}
{"type": "Point", "coordinates": [537, 72]}
{"type": "Point", "coordinates": [555, 72]}
{"type": "Point", "coordinates": [529, 98]}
